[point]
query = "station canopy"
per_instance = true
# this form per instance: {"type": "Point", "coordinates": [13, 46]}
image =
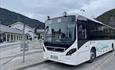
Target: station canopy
{"type": "Point", "coordinates": [6, 29]}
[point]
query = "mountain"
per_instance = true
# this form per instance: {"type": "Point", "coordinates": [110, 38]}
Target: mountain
{"type": "Point", "coordinates": [8, 17]}
{"type": "Point", "coordinates": [106, 17]}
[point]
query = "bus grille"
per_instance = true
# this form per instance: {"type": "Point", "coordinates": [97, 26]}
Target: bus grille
{"type": "Point", "coordinates": [58, 49]}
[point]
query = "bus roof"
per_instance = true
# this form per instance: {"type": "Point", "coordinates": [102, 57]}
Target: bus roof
{"type": "Point", "coordinates": [85, 17]}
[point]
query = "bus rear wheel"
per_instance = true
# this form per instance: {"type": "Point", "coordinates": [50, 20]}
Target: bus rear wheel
{"type": "Point", "coordinates": [92, 55]}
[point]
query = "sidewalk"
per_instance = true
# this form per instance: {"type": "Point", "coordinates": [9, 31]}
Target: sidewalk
{"type": "Point", "coordinates": [16, 52]}
{"type": "Point", "coordinates": [12, 58]}
{"type": "Point", "coordinates": [5, 44]}
{"type": "Point", "coordinates": [17, 63]}
{"type": "Point", "coordinates": [16, 48]}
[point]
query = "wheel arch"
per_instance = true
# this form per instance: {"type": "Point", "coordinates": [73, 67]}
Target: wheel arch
{"type": "Point", "coordinates": [93, 49]}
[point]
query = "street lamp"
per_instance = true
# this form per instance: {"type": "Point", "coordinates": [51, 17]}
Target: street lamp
{"type": "Point", "coordinates": [82, 11]}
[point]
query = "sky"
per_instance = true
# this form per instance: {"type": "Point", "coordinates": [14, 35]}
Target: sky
{"type": "Point", "coordinates": [40, 9]}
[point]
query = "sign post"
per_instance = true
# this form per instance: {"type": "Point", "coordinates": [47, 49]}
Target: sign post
{"type": "Point", "coordinates": [23, 43]}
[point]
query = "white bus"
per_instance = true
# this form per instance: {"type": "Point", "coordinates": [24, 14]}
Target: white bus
{"type": "Point", "coordinates": [74, 39]}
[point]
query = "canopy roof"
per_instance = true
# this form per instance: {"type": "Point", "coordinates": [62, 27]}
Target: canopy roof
{"type": "Point", "coordinates": [7, 29]}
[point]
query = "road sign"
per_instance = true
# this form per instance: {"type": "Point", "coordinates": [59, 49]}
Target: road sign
{"type": "Point", "coordinates": [24, 47]}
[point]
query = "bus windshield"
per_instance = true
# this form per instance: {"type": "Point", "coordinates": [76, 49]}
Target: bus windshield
{"type": "Point", "coordinates": [60, 30]}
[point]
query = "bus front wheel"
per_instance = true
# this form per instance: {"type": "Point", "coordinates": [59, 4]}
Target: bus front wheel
{"type": "Point", "coordinates": [112, 47]}
{"type": "Point", "coordinates": [92, 55]}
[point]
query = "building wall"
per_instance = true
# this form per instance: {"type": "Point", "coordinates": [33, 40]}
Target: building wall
{"type": "Point", "coordinates": [10, 37]}
{"type": "Point", "coordinates": [28, 29]}
{"type": "Point", "coordinates": [8, 34]}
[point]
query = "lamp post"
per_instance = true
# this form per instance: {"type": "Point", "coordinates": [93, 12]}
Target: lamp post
{"type": "Point", "coordinates": [82, 11]}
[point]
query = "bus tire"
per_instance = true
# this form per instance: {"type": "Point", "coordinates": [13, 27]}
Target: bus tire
{"type": "Point", "coordinates": [92, 55]}
{"type": "Point", "coordinates": [113, 47]}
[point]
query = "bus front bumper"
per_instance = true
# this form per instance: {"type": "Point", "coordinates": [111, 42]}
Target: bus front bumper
{"type": "Point", "coordinates": [61, 58]}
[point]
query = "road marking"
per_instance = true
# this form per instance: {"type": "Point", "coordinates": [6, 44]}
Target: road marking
{"type": "Point", "coordinates": [20, 54]}
{"type": "Point", "coordinates": [8, 61]}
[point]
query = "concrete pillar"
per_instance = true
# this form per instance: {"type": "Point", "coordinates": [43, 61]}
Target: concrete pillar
{"type": "Point", "coordinates": [14, 37]}
{"type": "Point", "coordinates": [6, 37]}
{"type": "Point", "coordinates": [21, 37]}
{"type": "Point", "coordinates": [18, 37]}
{"type": "Point", "coordinates": [9, 37]}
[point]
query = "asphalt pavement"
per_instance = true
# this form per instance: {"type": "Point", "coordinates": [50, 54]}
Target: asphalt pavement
{"type": "Point", "coordinates": [104, 62]}
{"type": "Point", "coordinates": [11, 55]}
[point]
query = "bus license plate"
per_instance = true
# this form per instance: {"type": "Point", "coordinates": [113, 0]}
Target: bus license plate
{"type": "Point", "coordinates": [54, 57]}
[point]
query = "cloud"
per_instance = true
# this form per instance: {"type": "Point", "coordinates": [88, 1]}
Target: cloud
{"type": "Point", "coordinates": [98, 7]}
{"type": "Point", "coordinates": [40, 9]}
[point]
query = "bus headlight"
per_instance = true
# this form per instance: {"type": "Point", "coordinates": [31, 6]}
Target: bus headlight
{"type": "Point", "coordinates": [71, 51]}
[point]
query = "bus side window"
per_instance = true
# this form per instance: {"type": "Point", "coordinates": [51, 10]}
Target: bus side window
{"type": "Point", "coordinates": [82, 32]}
